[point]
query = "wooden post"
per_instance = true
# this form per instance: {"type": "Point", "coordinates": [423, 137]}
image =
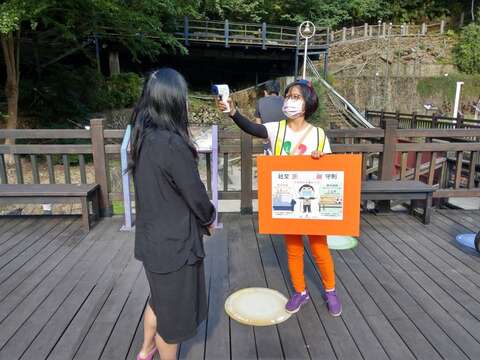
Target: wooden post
{"type": "Point", "coordinates": [442, 26]}
{"type": "Point", "coordinates": [371, 30]}
{"type": "Point", "coordinates": [100, 165]}
{"type": "Point", "coordinates": [186, 30]}
{"type": "Point", "coordinates": [405, 26]}
{"type": "Point", "coordinates": [246, 174]}
{"type": "Point", "coordinates": [462, 19]}
{"type": "Point", "coordinates": [434, 121]}
{"type": "Point", "coordinates": [3, 170]}
{"type": "Point", "coordinates": [460, 118]}
{"type": "Point", "coordinates": [424, 29]}
{"type": "Point", "coordinates": [264, 36]}
{"type": "Point", "coordinates": [226, 33]}
{"type": "Point", "coordinates": [387, 157]}
{"type": "Point", "coordinates": [384, 32]}
{"type": "Point", "coordinates": [414, 120]}
{"type": "Point", "coordinates": [114, 63]}
{"type": "Point", "coordinates": [344, 34]}
{"type": "Point", "coordinates": [352, 31]}
{"type": "Point", "coordinates": [365, 28]}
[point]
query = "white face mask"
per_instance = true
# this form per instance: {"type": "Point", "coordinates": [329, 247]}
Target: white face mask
{"type": "Point", "coordinates": [293, 108]}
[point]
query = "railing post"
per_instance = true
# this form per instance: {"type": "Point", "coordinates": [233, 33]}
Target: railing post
{"type": "Point", "coordinates": [264, 36]}
{"type": "Point", "coordinates": [434, 120]}
{"type": "Point", "coordinates": [226, 33]}
{"type": "Point", "coordinates": [186, 30]}
{"type": "Point", "coordinates": [246, 174]}
{"type": "Point", "coordinates": [442, 26]}
{"type": "Point", "coordinates": [100, 165]}
{"type": "Point", "coordinates": [424, 29]}
{"type": "Point", "coordinates": [344, 34]}
{"type": "Point", "coordinates": [387, 157]}
{"type": "Point", "coordinates": [460, 118]}
{"type": "Point", "coordinates": [462, 19]}
{"type": "Point", "coordinates": [365, 29]}
{"type": "Point", "coordinates": [384, 32]}
{"type": "Point", "coordinates": [414, 120]}
{"type": "Point", "coordinates": [352, 32]}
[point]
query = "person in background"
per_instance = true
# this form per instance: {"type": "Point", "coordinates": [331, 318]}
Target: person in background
{"type": "Point", "coordinates": [269, 108]}
{"type": "Point", "coordinates": [173, 213]}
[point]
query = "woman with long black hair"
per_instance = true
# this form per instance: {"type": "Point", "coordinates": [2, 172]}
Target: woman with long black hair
{"type": "Point", "coordinates": [173, 212]}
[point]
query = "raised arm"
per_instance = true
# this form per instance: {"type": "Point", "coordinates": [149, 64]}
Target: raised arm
{"type": "Point", "coordinates": [250, 127]}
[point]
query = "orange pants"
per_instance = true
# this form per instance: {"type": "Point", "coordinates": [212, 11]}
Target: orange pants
{"type": "Point", "coordinates": [322, 255]}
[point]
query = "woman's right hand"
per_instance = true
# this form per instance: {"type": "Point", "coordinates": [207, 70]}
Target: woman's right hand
{"type": "Point", "coordinates": [222, 107]}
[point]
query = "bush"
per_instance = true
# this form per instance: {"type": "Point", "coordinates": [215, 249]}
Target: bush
{"type": "Point", "coordinates": [445, 86]}
{"type": "Point", "coordinates": [119, 91]}
{"type": "Point", "coordinates": [70, 95]}
{"type": "Point", "coordinates": [466, 53]}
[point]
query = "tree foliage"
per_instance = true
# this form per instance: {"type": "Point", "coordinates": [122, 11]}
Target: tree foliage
{"type": "Point", "coordinates": [467, 51]}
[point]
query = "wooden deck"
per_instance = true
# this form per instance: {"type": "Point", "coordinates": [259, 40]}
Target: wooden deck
{"type": "Point", "coordinates": [407, 290]}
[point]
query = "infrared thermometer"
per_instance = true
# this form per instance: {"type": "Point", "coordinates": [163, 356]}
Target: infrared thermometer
{"type": "Point", "coordinates": [222, 91]}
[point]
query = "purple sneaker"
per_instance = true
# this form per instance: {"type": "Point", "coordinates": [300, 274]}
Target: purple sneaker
{"type": "Point", "coordinates": [296, 302]}
{"type": "Point", "coordinates": [333, 303]}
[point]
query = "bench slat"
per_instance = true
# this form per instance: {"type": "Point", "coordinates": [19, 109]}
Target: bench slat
{"type": "Point", "coordinates": [45, 190]}
{"type": "Point", "coordinates": [395, 187]}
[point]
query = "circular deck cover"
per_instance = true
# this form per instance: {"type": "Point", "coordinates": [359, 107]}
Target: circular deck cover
{"type": "Point", "coordinates": [341, 242]}
{"type": "Point", "coordinates": [467, 240]}
{"type": "Point", "coordinates": [257, 307]}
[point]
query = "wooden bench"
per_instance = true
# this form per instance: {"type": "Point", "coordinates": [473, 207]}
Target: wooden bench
{"type": "Point", "coordinates": [400, 190]}
{"type": "Point", "coordinates": [54, 193]}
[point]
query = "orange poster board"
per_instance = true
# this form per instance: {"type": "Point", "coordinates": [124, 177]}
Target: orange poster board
{"type": "Point", "coordinates": [301, 195]}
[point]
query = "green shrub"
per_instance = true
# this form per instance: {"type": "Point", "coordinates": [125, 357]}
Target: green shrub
{"type": "Point", "coordinates": [466, 53]}
{"type": "Point", "coordinates": [445, 86]}
{"type": "Point", "coordinates": [119, 91]}
{"type": "Point", "coordinates": [319, 118]}
{"type": "Point", "coordinates": [68, 95]}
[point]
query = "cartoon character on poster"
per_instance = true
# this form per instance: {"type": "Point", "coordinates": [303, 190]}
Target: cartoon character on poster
{"type": "Point", "coordinates": [307, 194]}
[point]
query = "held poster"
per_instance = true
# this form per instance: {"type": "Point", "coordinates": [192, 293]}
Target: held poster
{"type": "Point", "coordinates": [307, 195]}
{"type": "Point", "coordinates": [301, 195]}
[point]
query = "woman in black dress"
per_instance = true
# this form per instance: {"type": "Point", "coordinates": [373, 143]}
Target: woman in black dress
{"type": "Point", "coordinates": [173, 212]}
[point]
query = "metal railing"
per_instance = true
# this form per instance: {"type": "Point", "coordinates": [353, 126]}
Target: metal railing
{"type": "Point", "coordinates": [342, 104]}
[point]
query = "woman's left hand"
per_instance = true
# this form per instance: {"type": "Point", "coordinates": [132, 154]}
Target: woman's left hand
{"type": "Point", "coordinates": [317, 154]}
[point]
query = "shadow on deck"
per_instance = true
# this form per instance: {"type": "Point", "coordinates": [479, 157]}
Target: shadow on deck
{"type": "Point", "coordinates": [407, 291]}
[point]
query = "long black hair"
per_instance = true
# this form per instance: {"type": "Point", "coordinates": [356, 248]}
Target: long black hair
{"type": "Point", "coordinates": [162, 105]}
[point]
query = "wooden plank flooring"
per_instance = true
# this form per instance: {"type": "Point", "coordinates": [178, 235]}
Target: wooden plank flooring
{"type": "Point", "coordinates": [407, 290]}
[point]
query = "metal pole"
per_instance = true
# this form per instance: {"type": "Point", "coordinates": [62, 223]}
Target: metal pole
{"type": "Point", "coordinates": [457, 100]}
{"type": "Point", "coordinates": [305, 59]}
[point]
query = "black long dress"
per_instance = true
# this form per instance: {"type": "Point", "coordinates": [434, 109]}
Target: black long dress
{"type": "Point", "coordinates": [172, 213]}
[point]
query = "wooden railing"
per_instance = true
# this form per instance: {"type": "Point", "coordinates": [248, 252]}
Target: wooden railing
{"type": "Point", "coordinates": [229, 33]}
{"type": "Point", "coordinates": [389, 153]}
{"type": "Point", "coordinates": [44, 148]}
{"type": "Point", "coordinates": [414, 120]}
{"type": "Point", "coordinates": [265, 35]}
{"type": "Point", "coordinates": [382, 29]}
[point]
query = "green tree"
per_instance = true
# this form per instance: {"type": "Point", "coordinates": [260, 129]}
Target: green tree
{"type": "Point", "coordinates": [13, 14]}
{"type": "Point", "coordinates": [467, 51]}
{"type": "Point", "coordinates": [58, 28]}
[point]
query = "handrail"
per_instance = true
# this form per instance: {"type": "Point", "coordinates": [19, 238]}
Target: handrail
{"type": "Point", "coordinates": [353, 114]}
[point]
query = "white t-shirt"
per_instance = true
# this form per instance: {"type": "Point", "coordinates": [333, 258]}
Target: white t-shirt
{"type": "Point", "coordinates": [293, 137]}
